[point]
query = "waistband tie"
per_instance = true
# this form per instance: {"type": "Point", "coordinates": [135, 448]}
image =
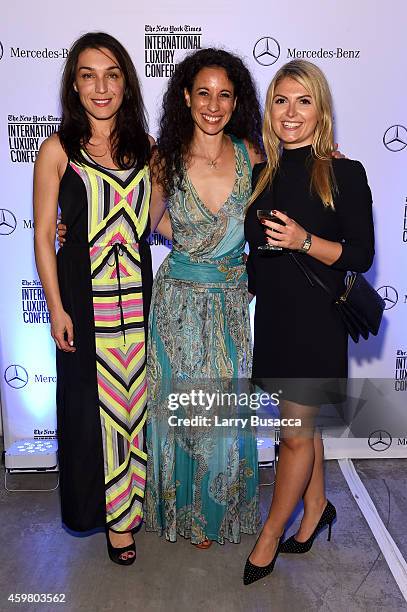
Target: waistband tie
{"type": "Point", "coordinates": [229, 270]}
{"type": "Point", "coordinates": [118, 250]}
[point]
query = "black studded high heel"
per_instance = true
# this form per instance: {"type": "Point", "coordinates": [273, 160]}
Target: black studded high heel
{"type": "Point", "coordinates": [116, 553]}
{"type": "Point", "coordinates": [257, 572]}
{"type": "Point", "coordinates": [327, 518]}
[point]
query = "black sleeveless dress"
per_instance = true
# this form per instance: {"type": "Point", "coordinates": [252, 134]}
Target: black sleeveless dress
{"type": "Point", "coordinates": [298, 333]}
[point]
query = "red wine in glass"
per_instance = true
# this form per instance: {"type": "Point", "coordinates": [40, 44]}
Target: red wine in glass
{"type": "Point", "coordinates": [268, 215]}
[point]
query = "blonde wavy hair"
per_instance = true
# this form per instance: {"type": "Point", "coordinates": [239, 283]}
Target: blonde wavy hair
{"type": "Point", "coordinates": [322, 177]}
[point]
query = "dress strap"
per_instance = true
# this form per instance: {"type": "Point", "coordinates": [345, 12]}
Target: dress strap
{"type": "Point", "coordinates": [241, 145]}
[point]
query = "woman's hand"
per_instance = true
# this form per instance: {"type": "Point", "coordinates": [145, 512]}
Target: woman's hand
{"type": "Point", "coordinates": [61, 231]}
{"type": "Point", "coordinates": [62, 331]}
{"type": "Point", "coordinates": [289, 236]}
{"type": "Point", "coordinates": [292, 236]}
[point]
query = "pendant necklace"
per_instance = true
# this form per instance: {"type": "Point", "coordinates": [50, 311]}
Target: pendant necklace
{"type": "Point", "coordinates": [213, 163]}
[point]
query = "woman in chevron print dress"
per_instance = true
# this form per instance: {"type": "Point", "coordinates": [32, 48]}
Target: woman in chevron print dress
{"type": "Point", "coordinates": [98, 288]}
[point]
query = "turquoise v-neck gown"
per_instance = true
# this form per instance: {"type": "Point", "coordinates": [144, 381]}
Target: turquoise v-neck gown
{"type": "Point", "coordinates": [202, 481]}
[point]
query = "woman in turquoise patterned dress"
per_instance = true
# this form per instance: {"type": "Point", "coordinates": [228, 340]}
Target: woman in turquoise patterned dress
{"type": "Point", "coordinates": [202, 484]}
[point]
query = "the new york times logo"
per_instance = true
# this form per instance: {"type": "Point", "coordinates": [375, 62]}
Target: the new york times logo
{"type": "Point", "coordinates": [33, 303]}
{"type": "Point", "coordinates": [45, 434]}
{"type": "Point", "coordinates": [26, 133]}
{"type": "Point", "coordinates": [400, 372]}
{"type": "Point", "coordinates": [162, 44]}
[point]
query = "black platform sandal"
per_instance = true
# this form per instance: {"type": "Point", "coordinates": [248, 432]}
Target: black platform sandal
{"type": "Point", "coordinates": [115, 554]}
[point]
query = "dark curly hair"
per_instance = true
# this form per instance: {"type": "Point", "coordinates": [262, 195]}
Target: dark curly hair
{"type": "Point", "coordinates": [176, 124]}
{"type": "Point", "coordinates": [129, 139]}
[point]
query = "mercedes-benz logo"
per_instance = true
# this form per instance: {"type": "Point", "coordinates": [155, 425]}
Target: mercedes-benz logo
{"type": "Point", "coordinates": [266, 51]}
{"type": "Point", "coordinates": [390, 296]}
{"type": "Point", "coordinates": [395, 138]}
{"type": "Point", "coordinates": [16, 376]}
{"type": "Point", "coordinates": [380, 440]}
{"type": "Point", "coordinates": [8, 222]}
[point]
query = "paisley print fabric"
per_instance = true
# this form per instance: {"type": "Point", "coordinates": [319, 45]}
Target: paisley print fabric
{"type": "Point", "coordinates": [201, 482]}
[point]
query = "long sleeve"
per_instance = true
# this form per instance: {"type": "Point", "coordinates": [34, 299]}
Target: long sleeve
{"type": "Point", "coordinates": [354, 210]}
{"type": "Point", "coordinates": [250, 263]}
{"type": "Point", "coordinates": [251, 273]}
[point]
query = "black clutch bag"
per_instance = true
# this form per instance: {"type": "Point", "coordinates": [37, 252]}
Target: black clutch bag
{"type": "Point", "coordinates": [360, 306]}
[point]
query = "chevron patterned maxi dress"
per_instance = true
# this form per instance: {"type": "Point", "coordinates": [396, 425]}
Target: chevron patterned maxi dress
{"type": "Point", "coordinates": [105, 277]}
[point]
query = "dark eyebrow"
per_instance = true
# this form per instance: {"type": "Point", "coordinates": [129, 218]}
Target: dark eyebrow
{"type": "Point", "coordinates": [222, 90]}
{"type": "Point", "coordinates": [90, 68]}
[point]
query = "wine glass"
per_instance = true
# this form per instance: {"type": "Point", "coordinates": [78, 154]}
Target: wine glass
{"type": "Point", "coordinates": [267, 214]}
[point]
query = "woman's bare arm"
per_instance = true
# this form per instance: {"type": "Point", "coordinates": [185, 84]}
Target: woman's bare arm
{"type": "Point", "coordinates": [164, 226]}
{"type": "Point", "coordinates": [48, 170]}
{"type": "Point", "coordinates": [159, 218]}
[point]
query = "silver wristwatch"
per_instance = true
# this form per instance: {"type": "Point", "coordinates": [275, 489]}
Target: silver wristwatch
{"type": "Point", "coordinates": [306, 245]}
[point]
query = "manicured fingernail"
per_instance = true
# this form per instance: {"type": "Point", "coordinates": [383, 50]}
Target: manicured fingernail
{"type": "Point", "coordinates": [71, 343]}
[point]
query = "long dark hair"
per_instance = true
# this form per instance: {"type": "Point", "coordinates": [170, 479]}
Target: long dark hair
{"type": "Point", "coordinates": [129, 139]}
{"type": "Point", "coordinates": [176, 125]}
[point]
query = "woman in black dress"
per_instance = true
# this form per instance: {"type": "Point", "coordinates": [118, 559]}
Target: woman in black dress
{"type": "Point", "coordinates": [299, 337]}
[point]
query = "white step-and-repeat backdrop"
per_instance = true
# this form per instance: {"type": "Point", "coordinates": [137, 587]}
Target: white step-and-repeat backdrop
{"type": "Point", "coordinates": [361, 46]}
